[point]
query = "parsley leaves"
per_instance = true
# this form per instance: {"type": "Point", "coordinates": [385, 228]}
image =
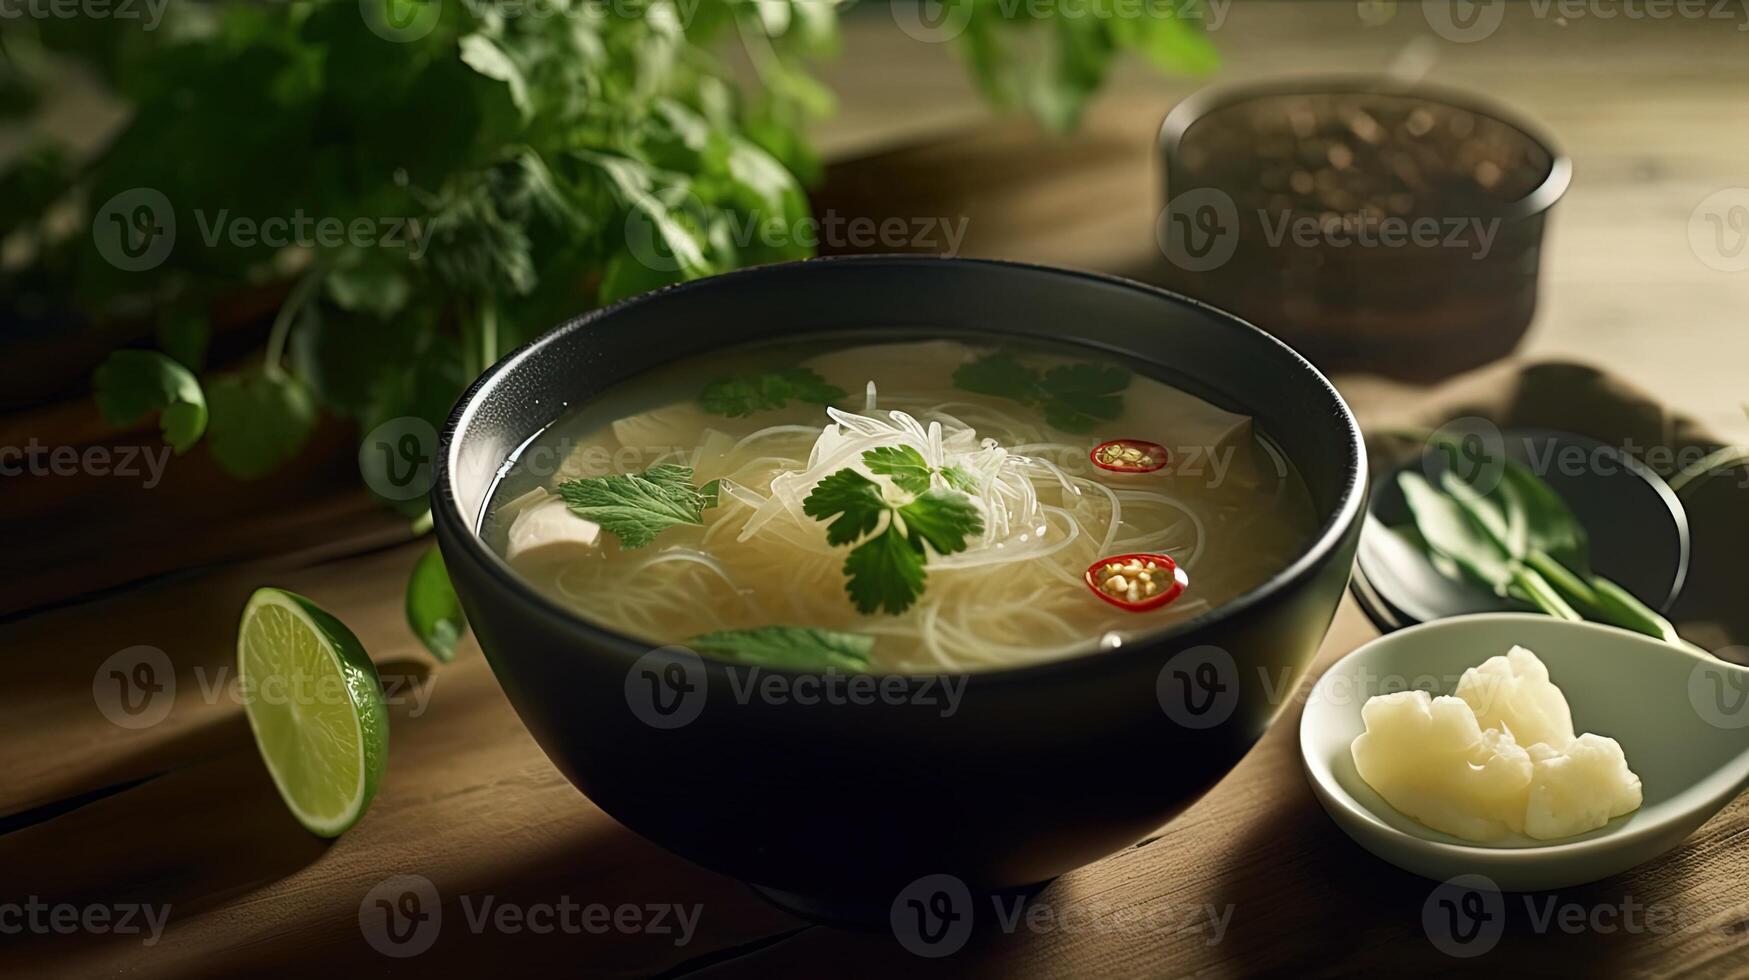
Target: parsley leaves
{"type": "Point", "coordinates": [789, 647]}
{"type": "Point", "coordinates": [885, 572]}
{"type": "Point", "coordinates": [1074, 397]}
{"type": "Point", "coordinates": [636, 507]}
{"type": "Point", "coordinates": [748, 393]}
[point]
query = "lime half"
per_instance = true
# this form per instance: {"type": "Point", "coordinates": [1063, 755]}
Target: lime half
{"type": "Point", "coordinates": [315, 706]}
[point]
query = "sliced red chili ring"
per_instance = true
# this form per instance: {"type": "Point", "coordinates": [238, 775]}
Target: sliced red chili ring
{"type": "Point", "coordinates": [1129, 456]}
{"type": "Point", "coordinates": [1124, 587]}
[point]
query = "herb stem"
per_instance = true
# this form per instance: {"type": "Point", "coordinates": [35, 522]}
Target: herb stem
{"type": "Point", "coordinates": [1537, 589]}
{"type": "Point", "coordinates": [294, 304]}
{"type": "Point", "coordinates": [1571, 587]}
{"type": "Point", "coordinates": [1618, 607]}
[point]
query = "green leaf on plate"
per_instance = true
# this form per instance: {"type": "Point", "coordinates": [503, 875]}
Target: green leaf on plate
{"type": "Point", "coordinates": [1451, 531]}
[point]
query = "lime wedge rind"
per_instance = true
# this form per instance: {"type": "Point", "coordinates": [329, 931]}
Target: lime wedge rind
{"type": "Point", "coordinates": [315, 707]}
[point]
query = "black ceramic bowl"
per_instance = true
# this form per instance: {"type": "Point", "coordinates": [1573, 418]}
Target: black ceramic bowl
{"type": "Point", "coordinates": [1026, 772]}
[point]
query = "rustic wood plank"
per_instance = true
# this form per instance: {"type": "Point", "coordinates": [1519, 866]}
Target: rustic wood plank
{"type": "Point", "coordinates": [470, 802]}
{"type": "Point", "coordinates": [1296, 897]}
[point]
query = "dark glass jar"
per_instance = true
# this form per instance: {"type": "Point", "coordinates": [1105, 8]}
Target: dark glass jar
{"type": "Point", "coordinates": [1371, 225]}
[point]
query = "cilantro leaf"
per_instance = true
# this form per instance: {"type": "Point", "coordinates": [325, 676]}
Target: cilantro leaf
{"type": "Point", "coordinates": [853, 501]}
{"type": "Point", "coordinates": [134, 383]}
{"type": "Point", "coordinates": [745, 394]}
{"type": "Point", "coordinates": [1074, 397]}
{"type": "Point", "coordinates": [885, 573]}
{"type": "Point", "coordinates": [805, 385]}
{"type": "Point", "coordinates": [733, 397]}
{"type": "Point", "coordinates": [944, 518]}
{"type": "Point", "coordinates": [903, 464]}
{"type": "Point", "coordinates": [791, 647]}
{"type": "Point", "coordinates": [998, 374]}
{"type": "Point", "coordinates": [959, 478]}
{"type": "Point", "coordinates": [259, 421]}
{"type": "Point", "coordinates": [635, 508]}
{"type": "Point", "coordinates": [1078, 395]}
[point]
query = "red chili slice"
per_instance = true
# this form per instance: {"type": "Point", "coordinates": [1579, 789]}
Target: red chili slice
{"type": "Point", "coordinates": [1129, 456]}
{"type": "Point", "coordinates": [1168, 580]}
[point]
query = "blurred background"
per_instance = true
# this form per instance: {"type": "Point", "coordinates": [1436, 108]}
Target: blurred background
{"type": "Point", "coordinates": [323, 218]}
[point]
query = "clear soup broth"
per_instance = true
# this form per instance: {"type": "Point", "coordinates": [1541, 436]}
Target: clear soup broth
{"type": "Point", "coordinates": [897, 507]}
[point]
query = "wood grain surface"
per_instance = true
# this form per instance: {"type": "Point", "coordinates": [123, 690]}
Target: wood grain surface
{"type": "Point", "coordinates": [1252, 880]}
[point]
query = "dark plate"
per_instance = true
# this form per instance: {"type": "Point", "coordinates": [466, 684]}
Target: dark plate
{"type": "Point", "coordinates": [1638, 528]}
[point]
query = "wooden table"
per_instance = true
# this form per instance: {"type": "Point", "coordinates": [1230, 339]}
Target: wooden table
{"type": "Point", "coordinates": [1252, 879]}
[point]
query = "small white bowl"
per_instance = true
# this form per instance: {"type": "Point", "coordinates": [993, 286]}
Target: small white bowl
{"type": "Point", "coordinates": [1682, 719]}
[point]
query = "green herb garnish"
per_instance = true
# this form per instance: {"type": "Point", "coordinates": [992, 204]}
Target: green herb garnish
{"type": "Point", "coordinates": [636, 507]}
{"type": "Point", "coordinates": [132, 384]}
{"type": "Point", "coordinates": [959, 478]}
{"type": "Point", "coordinates": [901, 464]}
{"type": "Point", "coordinates": [1519, 539]}
{"type": "Point", "coordinates": [745, 394]}
{"type": "Point", "coordinates": [1074, 397]}
{"type": "Point", "coordinates": [885, 572]}
{"type": "Point", "coordinates": [789, 647]}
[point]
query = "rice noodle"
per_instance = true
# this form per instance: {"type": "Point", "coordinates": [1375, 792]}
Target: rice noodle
{"type": "Point", "coordinates": [1015, 594]}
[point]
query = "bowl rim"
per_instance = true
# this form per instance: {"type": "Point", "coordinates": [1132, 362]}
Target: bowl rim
{"type": "Point", "coordinates": [449, 520]}
{"type": "Point", "coordinates": [1206, 101]}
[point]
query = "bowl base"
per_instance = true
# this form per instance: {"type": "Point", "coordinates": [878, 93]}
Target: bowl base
{"type": "Point", "coordinates": [876, 916]}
